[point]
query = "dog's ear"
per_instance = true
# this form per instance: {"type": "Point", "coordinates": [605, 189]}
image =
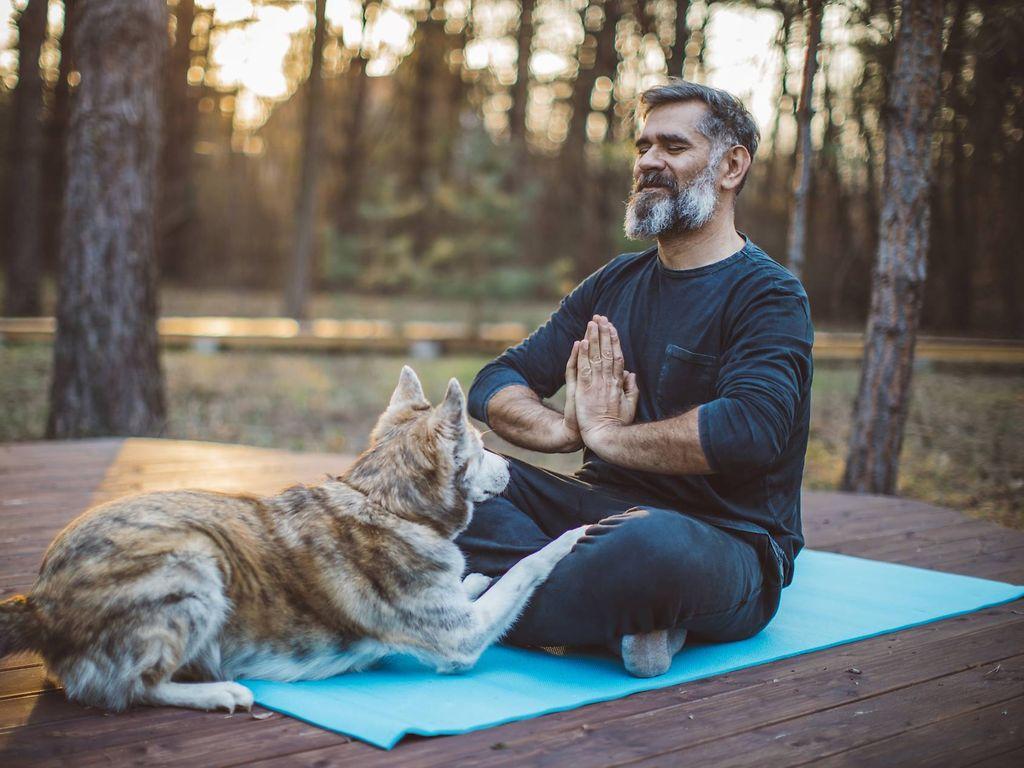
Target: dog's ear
{"type": "Point", "coordinates": [451, 413]}
{"type": "Point", "coordinates": [409, 390]}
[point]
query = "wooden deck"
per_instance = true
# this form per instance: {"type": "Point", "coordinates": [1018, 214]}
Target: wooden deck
{"type": "Point", "coordinates": [947, 693]}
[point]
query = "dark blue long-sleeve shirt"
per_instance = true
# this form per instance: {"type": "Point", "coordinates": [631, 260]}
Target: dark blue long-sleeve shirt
{"type": "Point", "coordinates": [733, 337]}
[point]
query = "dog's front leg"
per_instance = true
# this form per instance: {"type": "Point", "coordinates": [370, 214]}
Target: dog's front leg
{"type": "Point", "coordinates": [498, 608]}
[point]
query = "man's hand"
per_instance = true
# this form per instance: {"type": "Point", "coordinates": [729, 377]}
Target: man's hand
{"type": "Point", "coordinates": [569, 421]}
{"type": "Point", "coordinates": [605, 395]}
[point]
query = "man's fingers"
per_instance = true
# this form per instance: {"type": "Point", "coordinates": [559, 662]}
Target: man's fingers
{"type": "Point", "coordinates": [584, 370]}
{"type": "Point", "coordinates": [593, 342]}
{"type": "Point", "coordinates": [570, 365]}
{"type": "Point", "coordinates": [630, 388]}
{"type": "Point", "coordinates": [618, 363]}
{"type": "Point", "coordinates": [605, 335]}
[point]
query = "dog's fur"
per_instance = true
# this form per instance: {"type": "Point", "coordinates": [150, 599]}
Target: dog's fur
{"type": "Point", "coordinates": [165, 598]}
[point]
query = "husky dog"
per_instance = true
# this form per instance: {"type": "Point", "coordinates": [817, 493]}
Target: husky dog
{"type": "Point", "coordinates": [165, 598]}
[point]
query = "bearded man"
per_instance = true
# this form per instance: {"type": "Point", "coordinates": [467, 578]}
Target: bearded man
{"type": "Point", "coordinates": [687, 369]}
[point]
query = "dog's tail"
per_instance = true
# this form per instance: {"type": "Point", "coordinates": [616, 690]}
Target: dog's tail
{"type": "Point", "coordinates": [20, 628]}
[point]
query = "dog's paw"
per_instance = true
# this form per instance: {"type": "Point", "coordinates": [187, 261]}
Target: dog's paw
{"type": "Point", "coordinates": [564, 544]}
{"type": "Point", "coordinates": [475, 584]}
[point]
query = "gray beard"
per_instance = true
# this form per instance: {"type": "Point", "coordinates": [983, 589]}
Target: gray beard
{"type": "Point", "coordinates": [652, 212]}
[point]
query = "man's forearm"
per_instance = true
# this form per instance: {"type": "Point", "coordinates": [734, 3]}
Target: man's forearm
{"type": "Point", "coordinates": [518, 415]}
{"type": "Point", "coordinates": [671, 446]}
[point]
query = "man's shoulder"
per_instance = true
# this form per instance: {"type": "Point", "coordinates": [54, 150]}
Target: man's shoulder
{"type": "Point", "coordinates": [765, 273]}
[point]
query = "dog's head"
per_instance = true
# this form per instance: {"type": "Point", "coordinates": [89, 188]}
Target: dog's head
{"type": "Point", "coordinates": [428, 464]}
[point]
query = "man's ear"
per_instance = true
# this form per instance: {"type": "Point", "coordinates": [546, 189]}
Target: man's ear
{"type": "Point", "coordinates": [409, 390]}
{"type": "Point", "coordinates": [737, 164]}
{"type": "Point", "coordinates": [451, 413]}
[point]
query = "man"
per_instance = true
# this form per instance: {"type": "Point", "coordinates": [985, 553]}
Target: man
{"type": "Point", "coordinates": [688, 371]}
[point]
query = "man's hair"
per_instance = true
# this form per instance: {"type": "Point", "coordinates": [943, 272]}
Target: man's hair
{"type": "Point", "coordinates": [726, 124]}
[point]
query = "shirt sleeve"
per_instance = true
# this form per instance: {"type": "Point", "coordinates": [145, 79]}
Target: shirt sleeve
{"type": "Point", "coordinates": [765, 373]}
{"type": "Point", "coordinates": [538, 362]}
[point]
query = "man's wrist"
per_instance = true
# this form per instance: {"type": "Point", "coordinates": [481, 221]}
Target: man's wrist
{"type": "Point", "coordinates": [601, 437]}
{"type": "Point", "coordinates": [565, 439]}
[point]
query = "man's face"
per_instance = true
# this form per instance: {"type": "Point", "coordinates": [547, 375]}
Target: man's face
{"type": "Point", "coordinates": [675, 175]}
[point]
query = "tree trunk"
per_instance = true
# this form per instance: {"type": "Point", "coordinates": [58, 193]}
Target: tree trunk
{"type": "Point", "coordinates": [947, 303]}
{"type": "Point", "coordinates": [353, 156]}
{"type": "Point", "coordinates": [521, 93]}
{"type": "Point", "coordinates": [796, 240]}
{"type": "Point", "coordinates": [25, 151]}
{"type": "Point", "coordinates": [898, 283]}
{"type": "Point", "coordinates": [840, 202]}
{"type": "Point", "coordinates": [785, 35]}
{"type": "Point", "coordinates": [677, 56]}
{"type": "Point", "coordinates": [106, 375]}
{"type": "Point", "coordinates": [700, 70]}
{"type": "Point", "coordinates": [56, 141]}
{"type": "Point", "coordinates": [301, 278]}
{"type": "Point", "coordinates": [429, 49]}
{"type": "Point", "coordinates": [176, 204]}
{"type": "Point", "coordinates": [578, 187]}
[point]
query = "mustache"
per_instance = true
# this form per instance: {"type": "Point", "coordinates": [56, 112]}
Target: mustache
{"type": "Point", "coordinates": [654, 179]}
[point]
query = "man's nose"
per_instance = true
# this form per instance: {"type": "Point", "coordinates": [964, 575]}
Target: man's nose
{"type": "Point", "coordinates": [650, 160]}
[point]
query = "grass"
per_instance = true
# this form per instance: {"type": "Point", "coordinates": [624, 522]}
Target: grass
{"type": "Point", "coordinates": [963, 447]}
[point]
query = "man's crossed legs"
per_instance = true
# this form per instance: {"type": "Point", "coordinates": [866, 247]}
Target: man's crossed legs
{"type": "Point", "coordinates": [640, 581]}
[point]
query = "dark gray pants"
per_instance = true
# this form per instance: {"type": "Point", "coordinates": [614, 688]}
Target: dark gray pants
{"type": "Point", "coordinates": [640, 569]}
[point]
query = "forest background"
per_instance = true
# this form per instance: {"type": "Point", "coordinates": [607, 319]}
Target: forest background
{"type": "Point", "coordinates": [472, 161]}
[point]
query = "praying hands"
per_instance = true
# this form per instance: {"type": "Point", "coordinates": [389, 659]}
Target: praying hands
{"type": "Point", "coordinates": [600, 395]}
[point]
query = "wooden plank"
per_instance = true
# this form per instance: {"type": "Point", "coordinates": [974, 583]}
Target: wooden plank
{"type": "Point", "coordinates": [19, 661]}
{"type": "Point", "coordinates": [619, 731]}
{"type": "Point", "coordinates": [823, 733]}
{"type": "Point", "coordinates": [993, 547]}
{"type": "Point", "coordinates": [210, 739]}
{"type": "Point", "coordinates": [915, 540]}
{"type": "Point", "coordinates": [987, 736]}
{"type": "Point", "coordinates": [24, 680]}
{"type": "Point", "coordinates": [1012, 759]}
{"type": "Point", "coordinates": [895, 518]}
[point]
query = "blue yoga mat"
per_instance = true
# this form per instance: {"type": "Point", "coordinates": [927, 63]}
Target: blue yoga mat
{"type": "Point", "coordinates": [834, 599]}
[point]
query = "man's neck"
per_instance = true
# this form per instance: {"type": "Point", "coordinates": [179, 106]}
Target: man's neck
{"type": "Point", "coordinates": [716, 240]}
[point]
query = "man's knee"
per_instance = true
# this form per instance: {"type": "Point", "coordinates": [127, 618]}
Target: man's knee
{"type": "Point", "coordinates": [646, 557]}
{"type": "Point", "coordinates": [669, 564]}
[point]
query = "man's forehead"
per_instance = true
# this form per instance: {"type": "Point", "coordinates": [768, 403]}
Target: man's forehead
{"type": "Point", "coordinates": [670, 121]}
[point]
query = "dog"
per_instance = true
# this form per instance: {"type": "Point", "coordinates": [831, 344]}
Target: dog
{"type": "Point", "coordinates": [166, 598]}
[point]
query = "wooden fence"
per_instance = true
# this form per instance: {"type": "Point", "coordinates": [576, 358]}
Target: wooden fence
{"type": "Point", "coordinates": [429, 339]}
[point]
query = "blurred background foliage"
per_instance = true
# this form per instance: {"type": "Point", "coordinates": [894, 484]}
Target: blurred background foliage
{"type": "Point", "coordinates": [448, 169]}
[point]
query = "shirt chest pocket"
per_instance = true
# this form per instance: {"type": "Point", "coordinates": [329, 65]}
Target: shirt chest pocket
{"type": "Point", "coordinates": [687, 379]}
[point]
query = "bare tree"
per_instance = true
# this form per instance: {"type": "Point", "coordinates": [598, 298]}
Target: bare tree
{"type": "Point", "coordinates": [520, 91]}
{"type": "Point", "coordinates": [54, 161]}
{"type": "Point", "coordinates": [353, 154]}
{"type": "Point", "coordinates": [26, 173]}
{"type": "Point", "coordinates": [106, 375]}
{"type": "Point", "coordinates": [676, 59]}
{"type": "Point", "coordinates": [796, 240]}
{"type": "Point", "coordinates": [589, 240]}
{"type": "Point", "coordinates": [181, 116]}
{"type": "Point", "coordinates": [898, 285]}
{"type": "Point", "coordinates": [301, 277]}
{"type": "Point", "coordinates": [785, 10]}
